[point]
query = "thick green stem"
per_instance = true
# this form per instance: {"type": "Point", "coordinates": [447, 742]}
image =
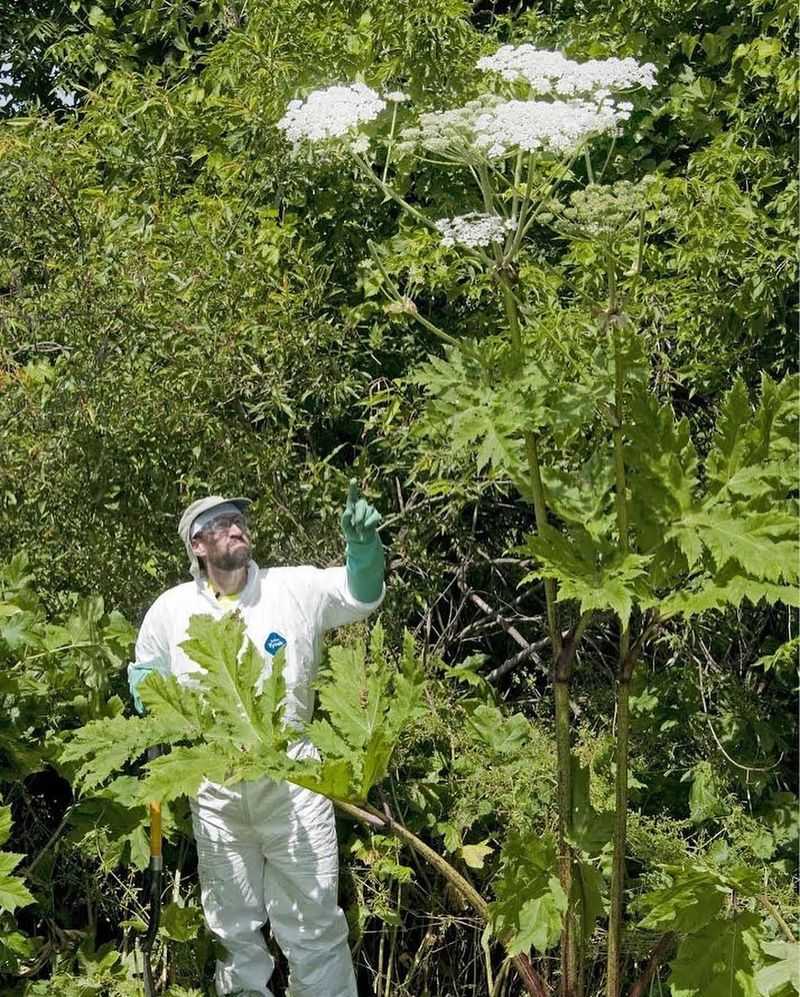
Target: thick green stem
{"type": "Point", "coordinates": [562, 667]}
{"type": "Point", "coordinates": [570, 976]}
{"type": "Point", "coordinates": [625, 669]}
{"type": "Point", "coordinates": [613, 980]}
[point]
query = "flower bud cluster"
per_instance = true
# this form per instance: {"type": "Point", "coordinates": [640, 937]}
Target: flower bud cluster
{"type": "Point", "coordinates": [473, 229]}
{"type": "Point", "coordinates": [331, 113]}
{"type": "Point", "coordinates": [446, 133]}
{"type": "Point", "coordinates": [605, 213]}
{"type": "Point", "coordinates": [552, 73]}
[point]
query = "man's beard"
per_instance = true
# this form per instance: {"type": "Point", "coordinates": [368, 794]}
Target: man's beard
{"type": "Point", "coordinates": [230, 560]}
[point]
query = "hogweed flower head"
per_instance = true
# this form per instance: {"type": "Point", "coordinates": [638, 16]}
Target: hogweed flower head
{"type": "Point", "coordinates": [332, 113]}
{"type": "Point", "coordinates": [557, 126]}
{"type": "Point", "coordinates": [473, 229]}
{"type": "Point", "coordinates": [552, 73]}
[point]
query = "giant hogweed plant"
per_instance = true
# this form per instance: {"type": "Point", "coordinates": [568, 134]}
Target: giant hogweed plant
{"type": "Point", "coordinates": [647, 528]}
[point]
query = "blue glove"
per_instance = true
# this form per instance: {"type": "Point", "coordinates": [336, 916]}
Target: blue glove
{"type": "Point", "coordinates": [365, 562]}
{"type": "Point", "coordinates": [138, 672]}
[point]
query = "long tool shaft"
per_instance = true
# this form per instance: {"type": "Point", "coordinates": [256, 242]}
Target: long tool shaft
{"type": "Point", "coordinates": [154, 886]}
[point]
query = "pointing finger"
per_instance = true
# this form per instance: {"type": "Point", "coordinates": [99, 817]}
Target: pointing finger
{"type": "Point", "coordinates": [352, 493]}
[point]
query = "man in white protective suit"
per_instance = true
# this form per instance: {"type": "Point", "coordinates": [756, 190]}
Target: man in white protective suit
{"type": "Point", "coordinates": [266, 849]}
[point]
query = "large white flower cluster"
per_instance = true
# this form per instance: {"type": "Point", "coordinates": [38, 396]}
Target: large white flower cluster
{"type": "Point", "coordinates": [552, 73]}
{"type": "Point", "coordinates": [473, 229]}
{"type": "Point", "coordinates": [331, 113]}
{"type": "Point", "coordinates": [544, 126]}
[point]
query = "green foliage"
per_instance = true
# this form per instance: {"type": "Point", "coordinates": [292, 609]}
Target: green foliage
{"type": "Point", "coordinates": [13, 892]}
{"type": "Point", "coordinates": [782, 974]}
{"type": "Point", "coordinates": [719, 960]}
{"type": "Point", "coordinates": [228, 725]}
{"type": "Point", "coordinates": [366, 706]}
{"type": "Point", "coordinates": [529, 900]}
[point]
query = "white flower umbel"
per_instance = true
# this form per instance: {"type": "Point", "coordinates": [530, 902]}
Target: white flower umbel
{"type": "Point", "coordinates": [332, 113]}
{"type": "Point", "coordinates": [558, 126]}
{"type": "Point", "coordinates": [551, 72]}
{"type": "Point", "coordinates": [396, 97]}
{"type": "Point", "coordinates": [473, 230]}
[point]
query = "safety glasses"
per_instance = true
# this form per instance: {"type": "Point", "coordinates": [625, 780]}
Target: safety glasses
{"type": "Point", "coordinates": [226, 522]}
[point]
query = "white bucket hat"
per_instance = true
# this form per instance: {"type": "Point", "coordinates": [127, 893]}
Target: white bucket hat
{"type": "Point", "coordinates": [195, 510]}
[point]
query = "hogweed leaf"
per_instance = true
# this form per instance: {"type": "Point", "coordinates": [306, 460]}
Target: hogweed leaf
{"type": "Point", "coordinates": [232, 672]}
{"type": "Point", "coordinates": [719, 960]}
{"type": "Point", "coordinates": [598, 575]}
{"type": "Point", "coordinates": [529, 900]}
{"type": "Point", "coordinates": [13, 892]}
{"type": "Point", "coordinates": [695, 898]}
{"type": "Point", "coordinates": [783, 972]}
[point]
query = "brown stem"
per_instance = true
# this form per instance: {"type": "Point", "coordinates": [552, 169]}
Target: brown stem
{"type": "Point", "coordinates": [776, 916]}
{"type": "Point", "coordinates": [367, 814]}
{"type": "Point", "coordinates": [662, 950]}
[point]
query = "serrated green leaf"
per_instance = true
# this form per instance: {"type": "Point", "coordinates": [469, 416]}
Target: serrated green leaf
{"type": "Point", "coordinates": [719, 960]}
{"type": "Point", "coordinates": [540, 921]}
{"type": "Point", "coordinates": [13, 892]}
{"type": "Point", "coordinates": [504, 734]}
{"type": "Point", "coordinates": [180, 924]}
{"type": "Point", "coordinates": [5, 824]}
{"type": "Point", "coordinates": [695, 898]}
{"type": "Point", "coordinates": [590, 570]}
{"type": "Point", "coordinates": [784, 968]}
{"type": "Point", "coordinates": [529, 901]}
{"type": "Point", "coordinates": [181, 772]}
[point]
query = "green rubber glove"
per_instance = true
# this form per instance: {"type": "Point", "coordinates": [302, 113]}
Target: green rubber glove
{"type": "Point", "coordinates": [365, 563]}
{"type": "Point", "coordinates": [138, 672]}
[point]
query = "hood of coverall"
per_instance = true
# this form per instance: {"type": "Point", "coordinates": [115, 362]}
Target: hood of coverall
{"type": "Point", "coordinates": [189, 516]}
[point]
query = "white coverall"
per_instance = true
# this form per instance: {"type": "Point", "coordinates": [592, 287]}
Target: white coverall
{"type": "Point", "coordinates": [266, 849]}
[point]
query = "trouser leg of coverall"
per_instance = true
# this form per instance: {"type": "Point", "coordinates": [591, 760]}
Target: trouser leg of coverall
{"type": "Point", "coordinates": [300, 887]}
{"type": "Point", "coordinates": [231, 868]}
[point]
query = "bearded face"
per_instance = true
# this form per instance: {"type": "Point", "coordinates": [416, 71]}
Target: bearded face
{"type": "Point", "coordinates": [224, 545]}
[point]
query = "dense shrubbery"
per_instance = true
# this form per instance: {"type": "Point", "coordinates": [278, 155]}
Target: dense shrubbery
{"type": "Point", "coordinates": [184, 306]}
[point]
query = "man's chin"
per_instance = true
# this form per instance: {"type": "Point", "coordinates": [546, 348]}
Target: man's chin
{"type": "Point", "coordinates": [233, 560]}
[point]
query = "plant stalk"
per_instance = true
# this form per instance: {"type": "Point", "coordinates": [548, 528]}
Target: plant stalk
{"type": "Point", "coordinates": [570, 975]}
{"type": "Point", "coordinates": [625, 669]}
{"type": "Point", "coordinates": [367, 814]}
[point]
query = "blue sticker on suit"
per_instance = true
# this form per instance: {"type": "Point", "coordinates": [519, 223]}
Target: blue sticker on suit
{"type": "Point", "coordinates": [274, 643]}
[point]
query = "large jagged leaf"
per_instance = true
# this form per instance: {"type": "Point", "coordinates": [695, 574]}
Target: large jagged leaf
{"type": "Point", "coordinates": [695, 898]}
{"type": "Point", "coordinates": [227, 725]}
{"type": "Point", "coordinates": [718, 593]}
{"type": "Point", "coordinates": [104, 747]}
{"type": "Point", "coordinates": [749, 444]}
{"type": "Point", "coordinates": [13, 892]}
{"type": "Point", "coordinates": [529, 901]}
{"type": "Point", "coordinates": [719, 960]}
{"type": "Point", "coordinates": [782, 975]}
{"type": "Point", "coordinates": [366, 703]}
{"type": "Point", "coordinates": [762, 544]}
{"type": "Point", "coordinates": [181, 771]}
{"type": "Point", "coordinates": [233, 669]}
{"type": "Point", "coordinates": [596, 573]}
